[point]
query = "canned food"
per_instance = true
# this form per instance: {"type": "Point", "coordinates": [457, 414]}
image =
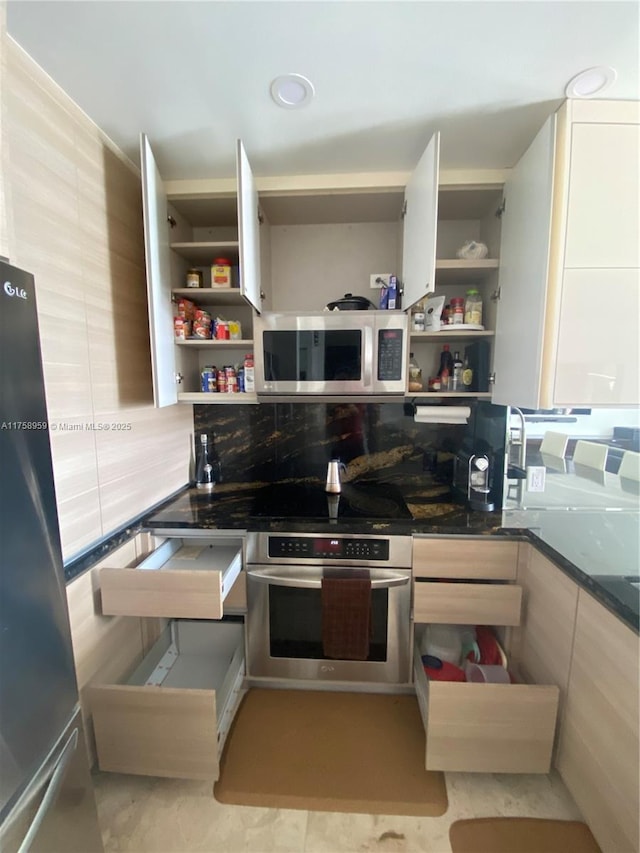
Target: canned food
{"type": "Point", "coordinates": [182, 328]}
{"type": "Point", "coordinates": [222, 330]}
{"type": "Point", "coordinates": [205, 379]}
{"type": "Point", "coordinates": [221, 380]}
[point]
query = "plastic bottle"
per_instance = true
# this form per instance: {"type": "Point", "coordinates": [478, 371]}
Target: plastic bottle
{"type": "Point", "coordinates": [446, 368]}
{"type": "Point", "coordinates": [415, 374]}
{"type": "Point", "coordinates": [456, 376]}
{"type": "Point", "coordinates": [473, 308]}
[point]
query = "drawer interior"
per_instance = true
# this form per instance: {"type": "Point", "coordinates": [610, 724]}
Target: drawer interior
{"type": "Point", "coordinates": [206, 554]}
{"type": "Point", "coordinates": [486, 728]}
{"type": "Point", "coordinates": [193, 655]}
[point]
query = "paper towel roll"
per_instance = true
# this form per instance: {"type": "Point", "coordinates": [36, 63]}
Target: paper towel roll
{"type": "Point", "coordinates": [442, 414]}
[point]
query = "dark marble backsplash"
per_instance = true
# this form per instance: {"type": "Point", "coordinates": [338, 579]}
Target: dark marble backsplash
{"type": "Point", "coordinates": [275, 442]}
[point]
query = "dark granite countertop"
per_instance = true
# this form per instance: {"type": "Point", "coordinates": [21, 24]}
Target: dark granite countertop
{"type": "Point", "coordinates": [583, 544]}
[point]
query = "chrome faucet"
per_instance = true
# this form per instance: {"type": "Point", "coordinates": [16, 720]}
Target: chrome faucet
{"type": "Point", "coordinates": [333, 484]}
{"type": "Point", "coordinates": [522, 452]}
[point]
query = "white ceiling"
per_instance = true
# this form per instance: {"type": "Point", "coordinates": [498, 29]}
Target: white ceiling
{"type": "Point", "coordinates": [194, 76]}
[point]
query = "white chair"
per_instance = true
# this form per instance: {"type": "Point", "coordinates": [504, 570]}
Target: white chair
{"type": "Point", "coordinates": [590, 454]}
{"type": "Point", "coordinates": [554, 444]}
{"type": "Point", "coordinates": [630, 466]}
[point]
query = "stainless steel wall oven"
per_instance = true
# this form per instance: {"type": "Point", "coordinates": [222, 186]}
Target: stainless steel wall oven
{"type": "Point", "coordinates": [286, 625]}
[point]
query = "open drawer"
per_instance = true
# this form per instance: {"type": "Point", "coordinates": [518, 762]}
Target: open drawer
{"type": "Point", "coordinates": [183, 578]}
{"type": "Point", "coordinates": [467, 603]}
{"type": "Point", "coordinates": [486, 728]}
{"type": "Point", "coordinates": [172, 716]}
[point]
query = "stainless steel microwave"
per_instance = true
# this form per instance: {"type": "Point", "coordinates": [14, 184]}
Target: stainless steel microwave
{"type": "Point", "coordinates": [335, 352]}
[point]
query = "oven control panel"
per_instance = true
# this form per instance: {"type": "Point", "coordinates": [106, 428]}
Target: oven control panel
{"type": "Point", "coordinates": [328, 548]}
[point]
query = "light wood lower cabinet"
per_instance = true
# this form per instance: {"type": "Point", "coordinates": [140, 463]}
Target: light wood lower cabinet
{"type": "Point", "coordinates": [466, 603]}
{"type": "Point", "coordinates": [543, 644]}
{"type": "Point", "coordinates": [468, 558]}
{"type": "Point", "coordinates": [183, 578]}
{"type": "Point", "coordinates": [599, 744]}
{"type": "Point", "coordinates": [486, 728]}
{"type": "Point", "coordinates": [172, 715]}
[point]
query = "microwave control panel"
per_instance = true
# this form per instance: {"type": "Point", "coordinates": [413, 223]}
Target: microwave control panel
{"type": "Point", "coordinates": [328, 547]}
{"type": "Point", "coordinates": [390, 354]}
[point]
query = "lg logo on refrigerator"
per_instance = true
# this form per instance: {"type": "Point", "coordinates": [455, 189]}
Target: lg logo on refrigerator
{"type": "Point", "coordinates": [10, 290]}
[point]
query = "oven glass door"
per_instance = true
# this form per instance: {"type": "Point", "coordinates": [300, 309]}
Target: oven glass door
{"type": "Point", "coordinates": [295, 623]}
{"type": "Point", "coordinates": [328, 355]}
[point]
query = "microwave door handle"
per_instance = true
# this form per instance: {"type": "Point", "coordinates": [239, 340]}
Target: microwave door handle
{"type": "Point", "coordinates": [369, 356]}
{"type": "Point", "coordinates": [268, 576]}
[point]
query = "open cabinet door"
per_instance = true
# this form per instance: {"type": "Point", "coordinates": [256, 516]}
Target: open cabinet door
{"type": "Point", "coordinates": [524, 270]}
{"type": "Point", "coordinates": [420, 226]}
{"type": "Point", "coordinates": [157, 254]}
{"type": "Point", "coordinates": [248, 230]}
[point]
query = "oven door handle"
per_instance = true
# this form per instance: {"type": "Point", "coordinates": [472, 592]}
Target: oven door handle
{"type": "Point", "coordinates": [380, 578]}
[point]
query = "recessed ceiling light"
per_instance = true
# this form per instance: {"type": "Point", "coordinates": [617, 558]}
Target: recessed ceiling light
{"type": "Point", "coordinates": [292, 91]}
{"type": "Point", "coordinates": [591, 82]}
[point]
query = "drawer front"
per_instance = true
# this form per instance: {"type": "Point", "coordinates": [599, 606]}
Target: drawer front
{"type": "Point", "coordinates": [156, 731]}
{"type": "Point", "coordinates": [180, 580]}
{"type": "Point", "coordinates": [177, 594]}
{"type": "Point", "coordinates": [487, 728]}
{"type": "Point", "coordinates": [467, 603]}
{"type": "Point", "coordinates": [485, 559]}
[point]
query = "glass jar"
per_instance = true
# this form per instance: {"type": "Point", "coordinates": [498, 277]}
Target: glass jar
{"type": "Point", "coordinates": [415, 374]}
{"type": "Point", "coordinates": [473, 308]}
{"type": "Point", "coordinates": [194, 278]}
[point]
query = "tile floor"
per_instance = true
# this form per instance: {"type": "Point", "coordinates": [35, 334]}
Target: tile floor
{"type": "Point", "coordinates": [141, 814]}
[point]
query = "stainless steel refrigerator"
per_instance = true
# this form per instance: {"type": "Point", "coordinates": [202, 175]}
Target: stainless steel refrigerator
{"type": "Point", "coordinates": [47, 803]}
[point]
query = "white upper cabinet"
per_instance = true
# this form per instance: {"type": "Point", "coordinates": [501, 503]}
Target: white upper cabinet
{"type": "Point", "coordinates": [524, 268]}
{"type": "Point", "coordinates": [248, 230]}
{"type": "Point", "coordinates": [568, 318]}
{"type": "Point", "coordinates": [158, 265]}
{"type": "Point", "coordinates": [603, 216]}
{"type": "Point", "coordinates": [420, 226]}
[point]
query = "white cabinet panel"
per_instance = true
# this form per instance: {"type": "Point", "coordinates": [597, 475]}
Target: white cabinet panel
{"type": "Point", "coordinates": [596, 364]}
{"type": "Point", "coordinates": [420, 225]}
{"type": "Point", "coordinates": [603, 220]}
{"type": "Point", "coordinates": [157, 254]}
{"type": "Point", "coordinates": [524, 266]}
{"type": "Point", "coordinates": [248, 230]}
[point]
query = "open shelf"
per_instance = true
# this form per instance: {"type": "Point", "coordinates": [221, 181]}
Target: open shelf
{"type": "Point", "coordinates": [216, 398]}
{"type": "Point", "coordinates": [204, 252]}
{"type": "Point", "coordinates": [211, 295]}
{"type": "Point", "coordinates": [459, 271]}
{"type": "Point", "coordinates": [241, 343]}
{"type": "Point", "coordinates": [450, 333]}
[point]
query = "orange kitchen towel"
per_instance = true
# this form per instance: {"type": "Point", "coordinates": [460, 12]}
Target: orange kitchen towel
{"type": "Point", "coordinates": [346, 618]}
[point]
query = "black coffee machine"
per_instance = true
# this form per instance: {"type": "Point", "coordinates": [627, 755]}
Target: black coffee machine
{"type": "Point", "coordinates": [478, 465]}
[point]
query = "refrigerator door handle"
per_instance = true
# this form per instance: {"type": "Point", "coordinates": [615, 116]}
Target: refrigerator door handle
{"type": "Point", "coordinates": [57, 777]}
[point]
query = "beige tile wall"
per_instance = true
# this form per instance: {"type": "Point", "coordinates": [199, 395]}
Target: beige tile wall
{"type": "Point", "coordinates": [71, 213]}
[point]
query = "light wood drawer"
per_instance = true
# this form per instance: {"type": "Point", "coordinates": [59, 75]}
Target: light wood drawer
{"type": "Point", "coordinates": [486, 559]}
{"type": "Point", "coordinates": [467, 603]}
{"type": "Point", "coordinates": [172, 715]}
{"type": "Point", "coordinates": [486, 728]}
{"type": "Point", "coordinates": [183, 578]}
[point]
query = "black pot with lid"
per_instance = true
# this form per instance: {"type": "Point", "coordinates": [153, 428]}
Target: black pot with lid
{"type": "Point", "coordinates": [349, 302]}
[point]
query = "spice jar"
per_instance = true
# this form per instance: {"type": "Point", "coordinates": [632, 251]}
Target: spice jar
{"type": "Point", "coordinates": [457, 310]}
{"type": "Point", "coordinates": [194, 278]}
